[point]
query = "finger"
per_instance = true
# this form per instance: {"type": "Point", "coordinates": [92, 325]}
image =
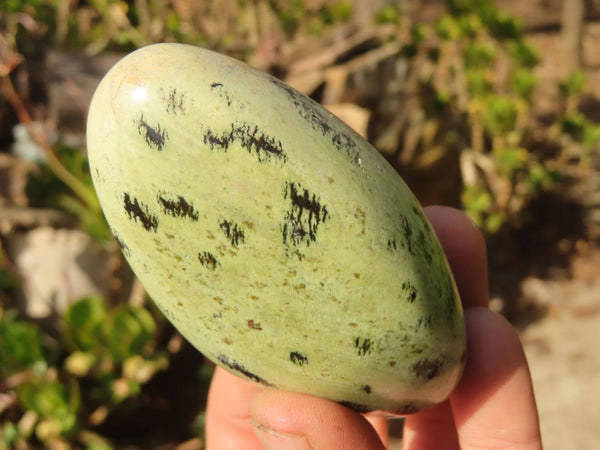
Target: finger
{"type": "Point", "coordinates": [380, 425]}
{"type": "Point", "coordinates": [228, 414]}
{"type": "Point", "coordinates": [465, 249]}
{"type": "Point", "coordinates": [431, 429]}
{"type": "Point", "coordinates": [285, 420]}
{"type": "Point", "coordinates": [494, 404]}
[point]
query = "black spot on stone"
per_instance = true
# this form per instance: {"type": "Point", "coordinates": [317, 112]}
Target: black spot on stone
{"type": "Point", "coordinates": [355, 406]}
{"type": "Point", "coordinates": [176, 101]}
{"type": "Point", "coordinates": [364, 346]}
{"type": "Point", "coordinates": [178, 208]}
{"type": "Point", "coordinates": [124, 248]}
{"type": "Point", "coordinates": [392, 246]}
{"type": "Point", "coordinates": [155, 136]}
{"type": "Point", "coordinates": [366, 388]}
{"type": "Point", "coordinates": [409, 291]}
{"type": "Point", "coordinates": [446, 291]}
{"type": "Point", "coordinates": [427, 369]}
{"type": "Point", "coordinates": [320, 120]}
{"type": "Point", "coordinates": [423, 322]}
{"type": "Point", "coordinates": [233, 232]}
{"type": "Point", "coordinates": [419, 241]}
{"type": "Point", "coordinates": [249, 137]}
{"type": "Point", "coordinates": [237, 367]}
{"type": "Point", "coordinates": [223, 94]}
{"type": "Point", "coordinates": [407, 234]}
{"type": "Point", "coordinates": [303, 217]}
{"type": "Point", "coordinates": [298, 358]}
{"type": "Point", "coordinates": [208, 260]}
{"type": "Point", "coordinates": [408, 408]}
{"type": "Point", "coordinates": [139, 212]}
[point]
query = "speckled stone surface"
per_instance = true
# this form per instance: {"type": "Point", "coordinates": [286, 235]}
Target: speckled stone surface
{"type": "Point", "coordinates": [278, 241]}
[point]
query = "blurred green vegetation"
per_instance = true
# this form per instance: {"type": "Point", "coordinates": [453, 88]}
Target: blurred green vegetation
{"type": "Point", "coordinates": [475, 78]}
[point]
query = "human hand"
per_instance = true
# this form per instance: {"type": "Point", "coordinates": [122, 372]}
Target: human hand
{"type": "Point", "coordinates": [493, 406]}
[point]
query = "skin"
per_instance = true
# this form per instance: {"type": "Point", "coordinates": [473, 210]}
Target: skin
{"type": "Point", "coordinates": [493, 406]}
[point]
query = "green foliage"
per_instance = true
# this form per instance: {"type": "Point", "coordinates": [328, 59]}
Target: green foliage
{"type": "Point", "coordinates": [500, 115]}
{"type": "Point", "coordinates": [14, 6]}
{"type": "Point", "coordinates": [83, 323]}
{"type": "Point", "coordinates": [476, 81]}
{"type": "Point", "coordinates": [103, 356]}
{"type": "Point", "coordinates": [523, 83]}
{"type": "Point", "coordinates": [523, 54]}
{"type": "Point", "coordinates": [388, 14]}
{"type": "Point", "coordinates": [54, 403]}
{"type": "Point", "coordinates": [573, 85]}
{"type": "Point", "coordinates": [8, 279]}
{"type": "Point", "coordinates": [128, 332]}
{"type": "Point", "coordinates": [296, 16]}
{"type": "Point", "coordinates": [479, 55]}
{"type": "Point", "coordinates": [45, 189]}
{"type": "Point", "coordinates": [21, 346]}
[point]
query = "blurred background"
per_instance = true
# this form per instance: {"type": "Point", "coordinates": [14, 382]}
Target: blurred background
{"type": "Point", "coordinates": [488, 106]}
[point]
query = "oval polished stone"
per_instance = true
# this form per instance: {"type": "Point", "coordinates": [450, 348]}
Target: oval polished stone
{"type": "Point", "coordinates": [279, 242]}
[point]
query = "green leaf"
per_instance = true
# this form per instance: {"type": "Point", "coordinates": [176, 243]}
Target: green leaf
{"type": "Point", "coordinates": [591, 135]}
{"type": "Point", "coordinates": [21, 345]}
{"type": "Point", "coordinates": [447, 28]}
{"type": "Point", "coordinates": [480, 55]}
{"type": "Point", "coordinates": [540, 178]}
{"type": "Point", "coordinates": [523, 83]}
{"type": "Point", "coordinates": [80, 363]}
{"type": "Point", "coordinates": [83, 323]}
{"type": "Point", "coordinates": [509, 160]}
{"type": "Point", "coordinates": [500, 116]}
{"type": "Point", "coordinates": [523, 53]}
{"type": "Point", "coordinates": [493, 222]}
{"type": "Point", "coordinates": [129, 331]}
{"type": "Point", "coordinates": [574, 84]}
{"type": "Point", "coordinates": [476, 200]}
{"type": "Point", "coordinates": [52, 400]}
{"type": "Point", "coordinates": [470, 25]}
{"type": "Point", "coordinates": [388, 14]}
{"type": "Point", "coordinates": [503, 26]}
{"type": "Point", "coordinates": [478, 83]}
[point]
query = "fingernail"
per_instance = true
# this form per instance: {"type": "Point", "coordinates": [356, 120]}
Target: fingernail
{"type": "Point", "coordinates": [274, 440]}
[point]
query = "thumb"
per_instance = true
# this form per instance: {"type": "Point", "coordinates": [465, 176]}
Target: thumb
{"type": "Point", "coordinates": [290, 421]}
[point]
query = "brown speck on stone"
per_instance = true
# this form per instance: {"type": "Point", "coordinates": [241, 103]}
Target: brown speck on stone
{"type": "Point", "coordinates": [254, 325]}
{"type": "Point", "coordinates": [357, 275]}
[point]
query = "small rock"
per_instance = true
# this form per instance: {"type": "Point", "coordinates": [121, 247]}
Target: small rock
{"type": "Point", "coordinates": [57, 267]}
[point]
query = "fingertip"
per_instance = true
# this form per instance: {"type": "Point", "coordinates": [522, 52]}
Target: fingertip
{"type": "Point", "coordinates": [322, 423]}
{"type": "Point", "coordinates": [465, 250]}
{"type": "Point", "coordinates": [227, 412]}
{"type": "Point", "coordinates": [494, 404]}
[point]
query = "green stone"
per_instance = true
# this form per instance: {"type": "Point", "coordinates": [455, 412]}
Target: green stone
{"type": "Point", "coordinates": [279, 242]}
